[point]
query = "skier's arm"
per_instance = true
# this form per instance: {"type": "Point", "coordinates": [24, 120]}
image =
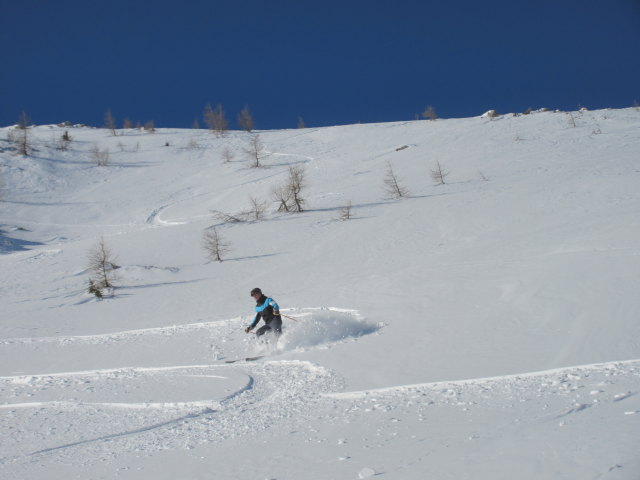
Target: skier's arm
{"type": "Point", "coordinates": [254, 323]}
{"type": "Point", "coordinates": [276, 308]}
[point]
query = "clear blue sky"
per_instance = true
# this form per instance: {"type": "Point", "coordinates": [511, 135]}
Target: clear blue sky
{"type": "Point", "coordinates": [330, 62]}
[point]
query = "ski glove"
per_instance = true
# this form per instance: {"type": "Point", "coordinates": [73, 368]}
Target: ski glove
{"type": "Point", "coordinates": [247, 330]}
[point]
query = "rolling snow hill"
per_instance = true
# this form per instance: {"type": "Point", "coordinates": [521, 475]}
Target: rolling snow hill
{"type": "Point", "coordinates": [484, 328]}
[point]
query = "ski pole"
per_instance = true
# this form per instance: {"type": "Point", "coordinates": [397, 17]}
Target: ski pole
{"type": "Point", "coordinates": [290, 318]}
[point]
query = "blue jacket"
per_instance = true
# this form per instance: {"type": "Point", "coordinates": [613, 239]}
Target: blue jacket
{"type": "Point", "coordinates": [265, 309]}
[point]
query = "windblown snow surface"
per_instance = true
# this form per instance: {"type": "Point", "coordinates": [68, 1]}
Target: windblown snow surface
{"type": "Point", "coordinates": [487, 328]}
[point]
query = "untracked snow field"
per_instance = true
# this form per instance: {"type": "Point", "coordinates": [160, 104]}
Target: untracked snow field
{"type": "Point", "coordinates": [486, 328]}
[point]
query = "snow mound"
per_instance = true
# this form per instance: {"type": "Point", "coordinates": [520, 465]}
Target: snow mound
{"type": "Point", "coordinates": [489, 114]}
{"type": "Point", "coordinates": [309, 328]}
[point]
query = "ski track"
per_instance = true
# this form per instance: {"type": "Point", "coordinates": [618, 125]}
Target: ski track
{"type": "Point", "coordinates": [116, 336]}
{"type": "Point", "coordinates": [276, 390]}
{"type": "Point", "coordinates": [154, 219]}
{"type": "Point", "coordinates": [554, 397]}
{"type": "Point", "coordinates": [564, 373]}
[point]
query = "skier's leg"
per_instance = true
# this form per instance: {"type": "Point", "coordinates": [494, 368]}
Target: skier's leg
{"type": "Point", "coordinates": [276, 326]}
{"type": "Point", "coordinates": [262, 330]}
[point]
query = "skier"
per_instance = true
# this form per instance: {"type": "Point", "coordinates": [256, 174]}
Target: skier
{"type": "Point", "coordinates": [269, 311]}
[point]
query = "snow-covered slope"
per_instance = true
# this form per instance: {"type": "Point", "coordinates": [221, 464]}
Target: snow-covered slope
{"type": "Point", "coordinates": [415, 330]}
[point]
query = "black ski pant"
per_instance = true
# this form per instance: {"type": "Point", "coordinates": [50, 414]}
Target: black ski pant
{"type": "Point", "coordinates": [275, 326]}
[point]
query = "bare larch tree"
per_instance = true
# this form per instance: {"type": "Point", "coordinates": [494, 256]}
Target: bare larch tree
{"type": "Point", "coordinates": [228, 217]}
{"type": "Point", "coordinates": [255, 151]}
{"type": "Point", "coordinates": [257, 209]}
{"type": "Point", "coordinates": [255, 212]}
{"type": "Point", "coordinates": [215, 245]}
{"type": "Point", "coordinates": [63, 142]}
{"type": "Point", "coordinates": [296, 185]}
{"type": "Point", "coordinates": [282, 196]}
{"type": "Point", "coordinates": [227, 155]}
{"type": "Point", "coordinates": [102, 265]}
{"type": "Point", "coordinates": [110, 122]}
{"type": "Point", "coordinates": [345, 212]}
{"type": "Point", "coordinates": [429, 113]}
{"type": "Point", "coordinates": [392, 184]}
{"type": "Point", "coordinates": [245, 119]}
{"type": "Point", "coordinates": [438, 174]}
{"type": "Point", "coordinates": [100, 157]}
{"type": "Point", "coordinates": [220, 123]}
{"type": "Point", "coordinates": [21, 137]}
{"type": "Point", "coordinates": [207, 116]}
{"type": "Point", "coordinates": [216, 120]}
{"type": "Point", "coordinates": [288, 196]}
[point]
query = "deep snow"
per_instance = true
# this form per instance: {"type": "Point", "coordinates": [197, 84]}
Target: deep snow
{"type": "Point", "coordinates": [477, 329]}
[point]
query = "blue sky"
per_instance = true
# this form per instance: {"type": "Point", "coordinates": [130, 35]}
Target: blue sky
{"type": "Point", "coordinates": [330, 62]}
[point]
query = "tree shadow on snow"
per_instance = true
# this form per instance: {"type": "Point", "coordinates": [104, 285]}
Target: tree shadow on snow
{"type": "Point", "coordinates": [160, 284]}
{"type": "Point", "coordinates": [11, 245]}
{"type": "Point", "coordinates": [253, 257]}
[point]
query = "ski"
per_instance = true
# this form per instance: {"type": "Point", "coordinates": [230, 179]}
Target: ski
{"type": "Point", "coordinates": [246, 359]}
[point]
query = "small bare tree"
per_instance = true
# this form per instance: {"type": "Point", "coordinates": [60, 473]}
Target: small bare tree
{"type": "Point", "coordinates": [192, 144]}
{"type": "Point", "coordinates": [288, 196]}
{"type": "Point", "coordinates": [127, 124]}
{"type": "Point", "coordinates": [101, 263]}
{"type": "Point", "coordinates": [282, 196]}
{"type": "Point", "coordinates": [438, 174]}
{"type": "Point", "coordinates": [245, 119]}
{"type": "Point", "coordinates": [216, 120]}
{"type": "Point", "coordinates": [215, 245]}
{"type": "Point", "coordinates": [195, 125]}
{"type": "Point", "coordinates": [221, 123]}
{"type": "Point", "coordinates": [21, 137]}
{"type": "Point", "coordinates": [110, 122]}
{"type": "Point", "coordinates": [345, 212]}
{"type": "Point", "coordinates": [100, 157]}
{"type": "Point", "coordinates": [257, 209]}
{"type": "Point", "coordinates": [255, 212]}
{"type": "Point", "coordinates": [228, 217]}
{"type": "Point", "coordinates": [63, 142]}
{"type": "Point", "coordinates": [227, 155]}
{"type": "Point", "coordinates": [255, 151]}
{"type": "Point", "coordinates": [429, 113]}
{"type": "Point", "coordinates": [296, 184]}
{"type": "Point", "coordinates": [207, 116]}
{"type": "Point", "coordinates": [24, 121]}
{"type": "Point", "coordinates": [301, 123]}
{"type": "Point", "coordinates": [572, 120]}
{"type": "Point", "coordinates": [392, 184]}
{"type": "Point", "coordinates": [150, 126]}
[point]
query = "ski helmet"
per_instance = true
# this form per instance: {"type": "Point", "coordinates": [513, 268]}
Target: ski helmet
{"type": "Point", "coordinates": [256, 290]}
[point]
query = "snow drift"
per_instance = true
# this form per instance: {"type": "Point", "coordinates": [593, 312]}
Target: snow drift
{"type": "Point", "coordinates": [321, 327]}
